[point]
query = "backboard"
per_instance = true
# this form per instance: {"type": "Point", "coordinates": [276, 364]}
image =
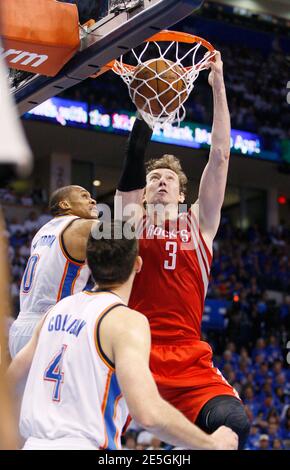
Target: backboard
{"type": "Point", "coordinates": [107, 39]}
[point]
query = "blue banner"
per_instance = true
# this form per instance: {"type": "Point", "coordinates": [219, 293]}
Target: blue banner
{"type": "Point", "coordinates": [189, 134]}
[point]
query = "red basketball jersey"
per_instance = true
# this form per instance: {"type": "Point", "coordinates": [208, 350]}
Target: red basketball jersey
{"type": "Point", "coordinates": [172, 285]}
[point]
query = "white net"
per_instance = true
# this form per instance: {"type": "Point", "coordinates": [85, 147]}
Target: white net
{"type": "Point", "coordinates": [160, 86]}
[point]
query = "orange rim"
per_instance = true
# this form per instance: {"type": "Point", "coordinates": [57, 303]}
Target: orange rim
{"type": "Point", "coordinates": [168, 36]}
{"type": "Point", "coordinates": [177, 36]}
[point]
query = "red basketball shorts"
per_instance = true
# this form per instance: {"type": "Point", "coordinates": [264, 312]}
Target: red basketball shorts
{"type": "Point", "coordinates": [186, 377]}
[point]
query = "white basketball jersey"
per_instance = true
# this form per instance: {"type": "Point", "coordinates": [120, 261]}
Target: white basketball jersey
{"type": "Point", "coordinates": [50, 274]}
{"type": "Point", "coordinates": [72, 389]}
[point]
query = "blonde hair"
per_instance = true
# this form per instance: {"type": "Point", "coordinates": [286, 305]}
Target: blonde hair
{"type": "Point", "coordinates": [172, 163]}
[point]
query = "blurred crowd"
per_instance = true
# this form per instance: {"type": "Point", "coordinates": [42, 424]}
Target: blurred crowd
{"type": "Point", "coordinates": [37, 196]}
{"type": "Point", "coordinates": [248, 266]}
{"type": "Point", "coordinates": [254, 258]}
{"type": "Point", "coordinates": [19, 233]}
{"type": "Point", "coordinates": [256, 90]}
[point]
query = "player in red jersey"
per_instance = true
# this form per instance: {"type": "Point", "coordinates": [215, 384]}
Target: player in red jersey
{"type": "Point", "coordinates": [177, 252]}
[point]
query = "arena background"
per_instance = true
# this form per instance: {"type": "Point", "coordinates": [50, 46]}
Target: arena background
{"type": "Point", "coordinates": [78, 139]}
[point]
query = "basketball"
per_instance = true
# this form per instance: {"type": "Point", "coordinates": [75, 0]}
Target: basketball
{"type": "Point", "coordinates": [158, 87]}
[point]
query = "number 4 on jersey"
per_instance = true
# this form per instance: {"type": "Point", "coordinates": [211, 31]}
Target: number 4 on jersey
{"type": "Point", "coordinates": [53, 373]}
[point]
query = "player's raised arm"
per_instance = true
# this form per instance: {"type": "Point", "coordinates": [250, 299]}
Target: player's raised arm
{"type": "Point", "coordinates": [130, 344]}
{"type": "Point", "coordinates": [214, 178]}
{"type": "Point", "coordinates": [133, 178]}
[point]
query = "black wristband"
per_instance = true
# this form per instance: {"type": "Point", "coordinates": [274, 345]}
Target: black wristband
{"type": "Point", "coordinates": [134, 173]}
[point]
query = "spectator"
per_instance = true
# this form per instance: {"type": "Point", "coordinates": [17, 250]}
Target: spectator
{"type": "Point", "coordinates": [278, 444]}
{"type": "Point", "coordinates": [24, 251]}
{"type": "Point", "coordinates": [260, 350]}
{"type": "Point", "coordinates": [262, 374]}
{"type": "Point", "coordinates": [144, 440]}
{"type": "Point", "coordinates": [44, 217]}
{"type": "Point", "coordinates": [253, 439]}
{"type": "Point", "coordinates": [26, 200]}
{"type": "Point", "coordinates": [155, 444]}
{"type": "Point", "coordinates": [9, 196]}
{"type": "Point", "coordinates": [273, 432]}
{"type": "Point", "coordinates": [15, 226]}
{"type": "Point", "coordinates": [248, 395]}
{"type": "Point", "coordinates": [285, 430]}
{"type": "Point", "coordinates": [130, 441]}
{"type": "Point", "coordinates": [31, 225]}
{"type": "Point", "coordinates": [264, 442]}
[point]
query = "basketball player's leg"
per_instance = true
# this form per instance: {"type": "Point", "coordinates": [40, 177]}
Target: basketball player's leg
{"type": "Point", "coordinates": [225, 410]}
{"type": "Point", "coordinates": [20, 333]}
{"type": "Point", "coordinates": [209, 411]}
{"type": "Point", "coordinates": [193, 386]}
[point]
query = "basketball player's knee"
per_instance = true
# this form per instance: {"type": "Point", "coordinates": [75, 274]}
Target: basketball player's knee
{"type": "Point", "coordinates": [231, 412]}
{"type": "Point", "coordinates": [238, 421]}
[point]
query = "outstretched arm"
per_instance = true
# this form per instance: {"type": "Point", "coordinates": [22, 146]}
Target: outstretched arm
{"type": "Point", "coordinates": [133, 178]}
{"type": "Point", "coordinates": [214, 178]}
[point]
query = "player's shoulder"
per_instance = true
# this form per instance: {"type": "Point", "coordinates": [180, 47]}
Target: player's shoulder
{"type": "Point", "coordinates": [127, 327]}
{"type": "Point", "coordinates": [81, 227]}
{"type": "Point", "coordinates": [56, 223]}
{"type": "Point", "coordinates": [127, 313]}
{"type": "Point", "coordinates": [124, 319]}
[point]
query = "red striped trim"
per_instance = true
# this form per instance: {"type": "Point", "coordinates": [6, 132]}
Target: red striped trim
{"type": "Point", "coordinates": [104, 404]}
{"type": "Point", "coordinates": [197, 233]}
{"type": "Point", "coordinates": [204, 264]}
{"type": "Point", "coordinates": [201, 243]}
{"type": "Point", "coordinates": [126, 425]}
{"type": "Point", "coordinates": [208, 253]}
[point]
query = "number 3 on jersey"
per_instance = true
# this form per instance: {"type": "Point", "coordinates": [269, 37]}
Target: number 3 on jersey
{"type": "Point", "coordinates": [171, 248]}
{"type": "Point", "coordinates": [53, 373]}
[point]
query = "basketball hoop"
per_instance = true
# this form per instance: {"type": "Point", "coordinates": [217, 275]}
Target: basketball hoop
{"type": "Point", "coordinates": [160, 86]}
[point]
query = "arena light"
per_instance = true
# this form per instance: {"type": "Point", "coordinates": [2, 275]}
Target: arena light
{"type": "Point", "coordinates": [97, 183]}
{"type": "Point", "coordinates": [282, 200]}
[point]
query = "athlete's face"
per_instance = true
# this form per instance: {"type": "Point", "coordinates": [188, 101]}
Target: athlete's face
{"type": "Point", "coordinates": [82, 204]}
{"type": "Point", "coordinates": [163, 187]}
